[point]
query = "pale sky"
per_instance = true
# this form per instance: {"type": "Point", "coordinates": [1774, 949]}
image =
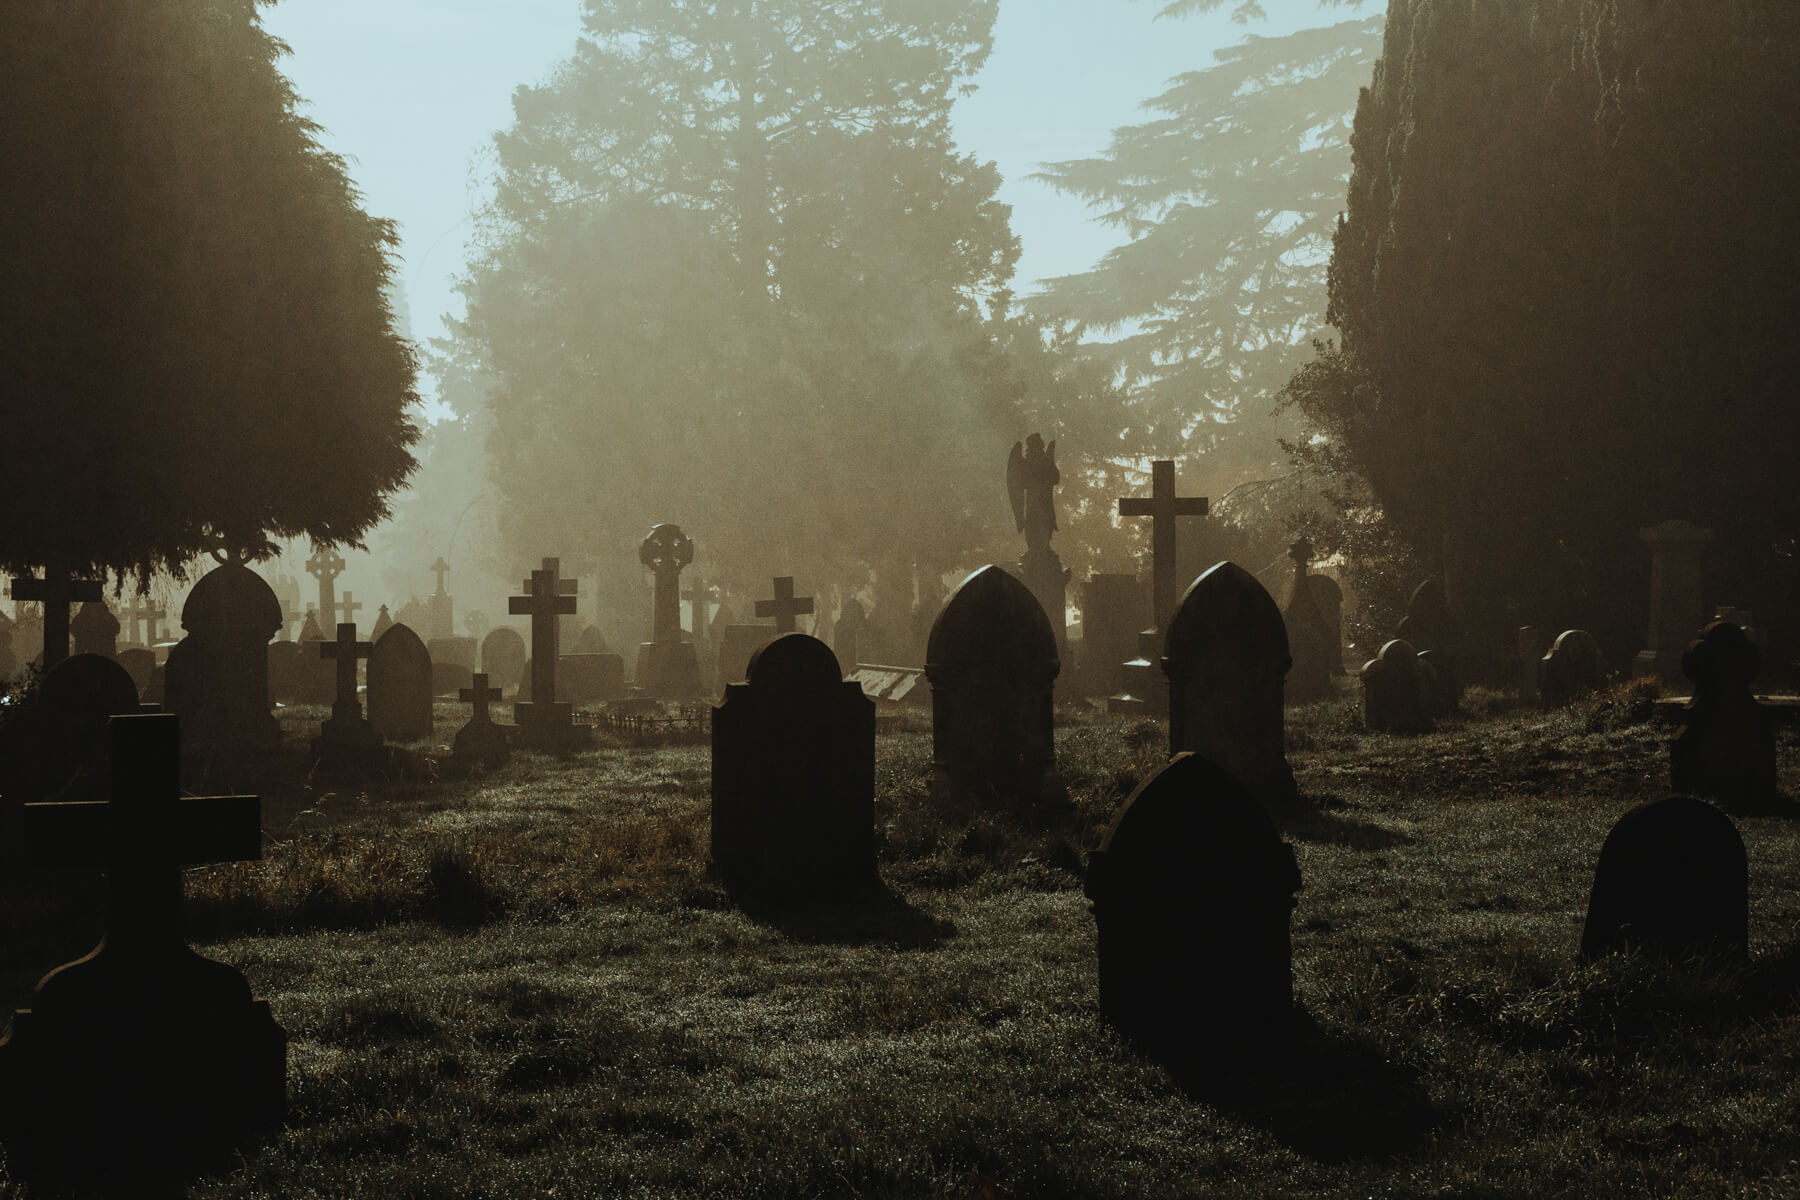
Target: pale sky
{"type": "Point", "coordinates": [411, 91]}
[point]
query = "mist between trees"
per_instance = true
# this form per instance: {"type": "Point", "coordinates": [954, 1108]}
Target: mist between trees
{"type": "Point", "coordinates": [736, 274]}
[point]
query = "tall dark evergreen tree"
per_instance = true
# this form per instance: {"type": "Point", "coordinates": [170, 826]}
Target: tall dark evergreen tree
{"type": "Point", "coordinates": [194, 335]}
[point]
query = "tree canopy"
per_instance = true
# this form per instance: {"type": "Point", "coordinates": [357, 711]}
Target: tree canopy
{"type": "Point", "coordinates": [736, 276]}
{"type": "Point", "coordinates": [1560, 288]}
{"type": "Point", "coordinates": [194, 336]}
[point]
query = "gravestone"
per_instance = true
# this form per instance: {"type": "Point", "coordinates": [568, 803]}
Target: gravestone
{"type": "Point", "coordinates": [1676, 607]}
{"type": "Point", "coordinates": [1724, 748]}
{"type": "Point", "coordinates": [1572, 668]}
{"type": "Point", "coordinates": [545, 722]}
{"type": "Point", "coordinates": [847, 634]}
{"type": "Point", "coordinates": [326, 565]}
{"type": "Point", "coordinates": [95, 629]}
{"type": "Point", "coordinates": [1397, 691]}
{"type": "Point", "coordinates": [1146, 692]}
{"type": "Point", "coordinates": [383, 623]}
{"type": "Point", "coordinates": [481, 740]}
{"type": "Point", "coordinates": [143, 1060]}
{"type": "Point", "coordinates": [1227, 660]}
{"type": "Point", "coordinates": [1113, 611]}
{"type": "Point", "coordinates": [667, 667]}
{"type": "Point", "coordinates": [590, 641]}
{"type": "Point", "coordinates": [57, 744]}
{"type": "Point", "coordinates": [400, 686]}
{"type": "Point", "coordinates": [140, 663]}
{"type": "Point", "coordinates": [1031, 480]}
{"type": "Point", "coordinates": [793, 779]}
{"type": "Point", "coordinates": [1431, 628]}
{"type": "Point", "coordinates": [991, 661]}
{"type": "Point", "coordinates": [217, 677]}
{"type": "Point", "coordinates": [346, 739]}
{"type": "Point", "coordinates": [1310, 637]}
{"type": "Point", "coordinates": [141, 619]}
{"type": "Point", "coordinates": [503, 656]}
{"type": "Point", "coordinates": [1673, 879]}
{"type": "Point", "coordinates": [56, 591]}
{"type": "Point", "coordinates": [440, 615]}
{"type": "Point", "coordinates": [785, 608]}
{"type": "Point", "coordinates": [1193, 892]}
{"type": "Point", "coordinates": [463, 651]}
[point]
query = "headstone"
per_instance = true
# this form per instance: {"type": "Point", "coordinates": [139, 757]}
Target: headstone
{"type": "Point", "coordinates": [140, 663]}
{"type": "Point", "coordinates": [1193, 892]}
{"type": "Point", "coordinates": [57, 744]}
{"type": "Point", "coordinates": [383, 623]}
{"type": "Point", "coordinates": [590, 641]}
{"type": "Point", "coordinates": [143, 1060]}
{"type": "Point", "coordinates": [1725, 746]}
{"type": "Point", "coordinates": [1226, 659]}
{"type": "Point", "coordinates": [448, 678]}
{"type": "Point", "coordinates": [481, 740]}
{"type": "Point", "coordinates": [1031, 479]}
{"type": "Point", "coordinates": [326, 565]}
{"type": "Point", "coordinates": [1163, 507]}
{"type": "Point", "coordinates": [1310, 637]}
{"type": "Point", "coordinates": [545, 722]}
{"type": "Point", "coordinates": [463, 651]}
{"type": "Point", "coordinates": [349, 606]}
{"type": "Point", "coordinates": [400, 686]}
{"type": "Point", "coordinates": [1113, 611]}
{"type": "Point", "coordinates": [847, 634]}
{"type": "Point", "coordinates": [440, 617]}
{"type": "Point", "coordinates": [586, 678]}
{"type": "Point", "coordinates": [217, 678]}
{"type": "Point", "coordinates": [1431, 628]}
{"type": "Point", "coordinates": [140, 622]}
{"type": "Point", "coordinates": [1397, 691]}
{"type": "Point", "coordinates": [56, 591]}
{"type": "Point", "coordinates": [95, 629]}
{"type": "Point", "coordinates": [785, 608]}
{"type": "Point", "coordinates": [503, 656]}
{"type": "Point", "coordinates": [1673, 879]}
{"type": "Point", "coordinates": [1676, 608]}
{"type": "Point", "coordinates": [1572, 668]}
{"type": "Point", "coordinates": [346, 737]}
{"type": "Point", "coordinates": [793, 779]}
{"type": "Point", "coordinates": [314, 679]}
{"type": "Point", "coordinates": [992, 664]}
{"type": "Point", "coordinates": [667, 666]}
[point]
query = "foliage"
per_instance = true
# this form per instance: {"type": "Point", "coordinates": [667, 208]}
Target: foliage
{"type": "Point", "coordinates": [1561, 289]}
{"type": "Point", "coordinates": [1227, 198]}
{"type": "Point", "coordinates": [737, 277]}
{"type": "Point", "coordinates": [194, 334]}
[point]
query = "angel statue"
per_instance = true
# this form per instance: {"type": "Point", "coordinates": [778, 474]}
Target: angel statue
{"type": "Point", "coordinates": [1031, 475]}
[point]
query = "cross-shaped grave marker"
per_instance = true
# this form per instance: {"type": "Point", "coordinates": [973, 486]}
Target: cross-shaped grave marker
{"type": "Point", "coordinates": [346, 650]}
{"type": "Point", "coordinates": [349, 606]}
{"type": "Point", "coordinates": [149, 613]}
{"type": "Point", "coordinates": [1162, 508]}
{"type": "Point", "coordinates": [441, 568]}
{"type": "Point", "coordinates": [785, 606]}
{"type": "Point", "coordinates": [480, 695]}
{"type": "Point", "coordinates": [547, 597]}
{"type": "Point", "coordinates": [56, 591]}
{"type": "Point", "coordinates": [481, 738]}
{"type": "Point", "coordinates": [326, 565]}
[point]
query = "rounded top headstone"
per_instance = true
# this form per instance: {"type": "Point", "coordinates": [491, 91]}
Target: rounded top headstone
{"type": "Point", "coordinates": [1722, 657]}
{"type": "Point", "coordinates": [88, 688]}
{"type": "Point", "coordinates": [794, 661]}
{"type": "Point", "coordinates": [232, 597]}
{"type": "Point", "coordinates": [1222, 614]}
{"type": "Point", "coordinates": [991, 618]}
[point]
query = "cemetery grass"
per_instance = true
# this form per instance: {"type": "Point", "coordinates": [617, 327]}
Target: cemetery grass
{"type": "Point", "coordinates": [525, 984]}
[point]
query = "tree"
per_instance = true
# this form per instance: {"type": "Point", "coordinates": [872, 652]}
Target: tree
{"type": "Point", "coordinates": [193, 331]}
{"type": "Point", "coordinates": [737, 277]}
{"type": "Point", "coordinates": [1561, 288]}
{"type": "Point", "coordinates": [1228, 199]}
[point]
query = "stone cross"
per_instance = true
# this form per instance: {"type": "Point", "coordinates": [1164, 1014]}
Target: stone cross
{"type": "Point", "coordinates": [349, 606]}
{"type": "Point", "coordinates": [325, 566]}
{"type": "Point", "coordinates": [346, 650]}
{"type": "Point", "coordinates": [56, 590]}
{"type": "Point", "coordinates": [442, 569]}
{"type": "Point", "coordinates": [149, 614]}
{"type": "Point", "coordinates": [784, 607]}
{"type": "Point", "coordinates": [547, 596]}
{"type": "Point", "coordinates": [1162, 508]}
{"type": "Point", "coordinates": [479, 694]}
{"type": "Point", "coordinates": [666, 550]}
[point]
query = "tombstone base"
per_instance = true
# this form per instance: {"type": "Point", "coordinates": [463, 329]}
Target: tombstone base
{"type": "Point", "coordinates": [129, 1069]}
{"type": "Point", "coordinates": [550, 727]}
{"type": "Point", "coordinates": [483, 742]}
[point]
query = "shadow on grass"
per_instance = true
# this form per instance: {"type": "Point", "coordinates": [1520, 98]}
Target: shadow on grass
{"type": "Point", "coordinates": [1316, 823]}
{"type": "Point", "coordinates": [876, 916]}
{"type": "Point", "coordinates": [1329, 1097]}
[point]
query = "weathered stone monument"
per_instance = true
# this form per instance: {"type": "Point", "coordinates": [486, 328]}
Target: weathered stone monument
{"type": "Point", "coordinates": [440, 613]}
{"type": "Point", "coordinates": [793, 779]}
{"type": "Point", "coordinates": [1193, 892]}
{"type": "Point", "coordinates": [1146, 692]}
{"type": "Point", "coordinates": [326, 565]}
{"type": "Point", "coordinates": [95, 629]}
{"type": "Point", "coordinates": [1572, 668]}
{"type": "Point", "coordinates": [785, 608]}
{"type": "Point", "coordinates": [1311, 637]}
{"type": "Point", "coordinates": [346, 739]}
{"type": "Point", "coordinates": [400, 686]}
{"type": "Point", "coordinates": [1725, 746]}
{"type": "Point", "coordinates": [1673, 878]}
{"type": "Point", "coordinates": [217, 677]}
{"type": "Point", "coordinates": [1031, 479]}
{"type": "Point", "coordinates": [544, 722]}
{"type": "Point", "coordinates": [143, 1061]}
{"type": "Point", "coordinates": [503, 656]}
{"type": "Point", "coordinates": [991, 660]}
{"type": "Point", "coordinates": [667, 667]}
{"type": "Point", "coordinates": [481, 740]}
{"type": "Point", "coordinates": [1397, 691]}
{"type": "Point", "coordinates": [56, 591]}
{"type": "Point", "coordinates": [1676, 609]}
{"type": "Point", "coordinates": [1226, 659]}
{"type": "Point", "coordinates": [140, 621]}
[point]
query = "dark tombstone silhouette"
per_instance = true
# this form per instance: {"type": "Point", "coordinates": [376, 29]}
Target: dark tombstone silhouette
{"type": "Point", "coordinates": [1145, 690]}
{"type": "Point", "coordinates": [448, 678]}
{"type": "Point", "coordinates": [56, 744]}
{"type": "Point", "coordinates": [1725, 746]}
{"type": "Point", "coordinates": [847, 634]}
{"type": "Point", "coordinates": [793, 779]}
{"type": "Point", "coordinates": [383, 622]}
{"type": "Point", "coordinates": [56, 591]}
{"type": "Point", "coordinates": [785, 608]}
{"type": "Point", "coordinates": [1672, 879]}
{"type": "Point", "coordinates": [140, 663]}
{"type": "Point", "coordinates": [544, 722]}
{"type": "Point", "coordinates": [1311, 639]}
{"type": "Point", "coordinates": [991, 661]}
{"type": "Point", "coordinates": [1572, 668]}
{"type": "Point", "coordinates": [216, 679]}
{"type": "Point", "coordinates": [503, 656]}
{"type": "Point", "coordinates": [1397, 691]}
{"type": "Point", "coordinates": [400, 686]}
{"type": "Point", "coordinates": [95, 629]}
{"type": "Point", "coordinates": [481, 740]}
{"type": "Point", "coordinates": [142, 1062]}
{"type": "Point", "coordinates": [1031, 479]}
{"type": "Point", "coordinates": [1226, 659]}
{"type": "Point", "coordinates": [1193, 890]}
{"type": "Point", "coordinates": [346, 739]}
{"type": "Point", "coordinates": [668, 667]}
{"type": "Point", "coordinates": [1431, 628]}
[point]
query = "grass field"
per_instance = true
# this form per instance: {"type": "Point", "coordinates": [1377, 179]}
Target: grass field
{"type": "Point", "coordinates": [526, 985]}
